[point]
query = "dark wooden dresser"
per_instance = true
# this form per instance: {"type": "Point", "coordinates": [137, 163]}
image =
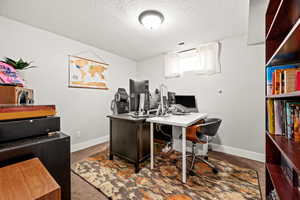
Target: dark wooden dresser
{"type": "Point", "coordinates": [129, 138]}
{"type": "Point", "coordinates": [53, 151]}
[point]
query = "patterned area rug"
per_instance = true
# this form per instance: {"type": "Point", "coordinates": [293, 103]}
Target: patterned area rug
{"type": "Point", "coordinates": [117, 180]}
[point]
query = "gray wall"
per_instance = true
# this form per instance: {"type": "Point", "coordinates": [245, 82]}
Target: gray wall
{"type": "Point", "coordinates": [256, 21]}
{"type": "Point", "coordinates": [241, 105]}
{"type": "Point", "coordinates": [82, 111]}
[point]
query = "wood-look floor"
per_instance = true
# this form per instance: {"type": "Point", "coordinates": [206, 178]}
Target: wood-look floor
{"type": "Point", "coordinates": [81, 190]}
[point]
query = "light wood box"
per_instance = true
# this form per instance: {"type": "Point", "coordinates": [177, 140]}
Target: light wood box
{"type": "Point", "coordinates": [28, 180]}
{"type": "Point", "coordinates": [11, 95]}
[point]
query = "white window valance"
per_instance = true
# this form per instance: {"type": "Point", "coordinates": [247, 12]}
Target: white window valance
{"type": "Point", "coordinates": [204, 59]}
{"type": "Point", "coordinates": [172, 65]}
{"type": "Point", "coordinates": [209, 59]}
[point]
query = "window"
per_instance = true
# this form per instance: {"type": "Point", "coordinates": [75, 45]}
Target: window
{"type": "Point", "coordinates": [188, 61]}
{"type": "Point", "coordinates": [201, 60]}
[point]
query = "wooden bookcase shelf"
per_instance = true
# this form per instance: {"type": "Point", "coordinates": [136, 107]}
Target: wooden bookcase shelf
{"type": "Point", "coordinates": [271, 12]}
{"type": "Point", "coordinates": [283, 188]}
{"type": "Point", "coordinates": [283, 21]}
{"type": "Point", "coordinates": [286, 50]}
{"type": "Point", "coordinates": [285, 95]}
{"type": "Point", "coordinates": [289, 149]}
{"type": "Point", "coordinates": [282, 48]}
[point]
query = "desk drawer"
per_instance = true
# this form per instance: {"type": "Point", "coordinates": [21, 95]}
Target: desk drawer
{"type": "Point", "coordinates": [124, 138]}
{"type": "Point", "coordinates": [18, 129]}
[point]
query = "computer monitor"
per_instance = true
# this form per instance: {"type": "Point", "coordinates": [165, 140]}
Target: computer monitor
{"type": "Point", "coordinates": [171, 98]}
{"type": "Point", "coordinates": [189, 101]}
{"type": "Point", "coordinates": [139, 95]}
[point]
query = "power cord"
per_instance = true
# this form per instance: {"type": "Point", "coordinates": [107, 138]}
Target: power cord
{"type": "Point", "coordinates": [169, 144]}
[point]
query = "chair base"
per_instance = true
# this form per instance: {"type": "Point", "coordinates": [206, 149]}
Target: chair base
{"type": "Point", "coordinates": [205, 160]}
{"type": "Point", "coordinates": [199, 158]}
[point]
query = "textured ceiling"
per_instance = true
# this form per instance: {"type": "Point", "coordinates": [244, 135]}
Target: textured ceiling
{"type": "Point", "coordinates": [113, 25]}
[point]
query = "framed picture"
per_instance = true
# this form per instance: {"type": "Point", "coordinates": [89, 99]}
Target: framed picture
{"type": "Point", "coordinates": [87, 73]}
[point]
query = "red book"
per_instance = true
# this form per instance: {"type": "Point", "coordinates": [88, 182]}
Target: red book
{"type": "Point", "coordinates": [298, 81]}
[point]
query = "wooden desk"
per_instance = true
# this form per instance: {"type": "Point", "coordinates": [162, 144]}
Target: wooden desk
{"type": "Point", "coordinates": [182, 121]}
{"type": "Point", "coordinates": [27, 180]}
{"type": "Point", "coordinates": [129, 138]}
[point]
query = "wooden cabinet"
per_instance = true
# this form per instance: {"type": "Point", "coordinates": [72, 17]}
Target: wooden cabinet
{"type": "Point", "coordinates": [129, 139]}
{"type": "Point", "coordinates": [53, 152]}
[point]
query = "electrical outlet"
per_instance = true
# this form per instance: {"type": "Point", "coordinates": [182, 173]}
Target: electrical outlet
{"type": "Point", "coordinates": [78, 134]}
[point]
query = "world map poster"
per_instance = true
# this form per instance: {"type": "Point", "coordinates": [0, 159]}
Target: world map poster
{"type": "Point", "coordinates": [86, 73]}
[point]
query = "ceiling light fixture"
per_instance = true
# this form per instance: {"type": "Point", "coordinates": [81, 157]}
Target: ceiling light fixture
{"type": "Point", "coordinates": [151, 19]}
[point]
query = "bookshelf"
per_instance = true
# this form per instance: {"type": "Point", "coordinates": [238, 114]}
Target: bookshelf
{"type": "Point", "coordinates": [282, 48]}
{"type": "Point", "coordinates": [285, 95]}
{"type": "Point", "coordinates": [279, 27]}
{"type": "Point", "coordinates": [289, 149]}
{"type": "Point", "coordinates": [284, 191]}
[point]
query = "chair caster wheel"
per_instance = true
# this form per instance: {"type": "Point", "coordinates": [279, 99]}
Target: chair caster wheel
{"type": "Point", "coordinates": [215, 171]}
{"type": "Point", "coordinates": [174, 161]}
{"type": "Point", "coordinates": [192, 173]}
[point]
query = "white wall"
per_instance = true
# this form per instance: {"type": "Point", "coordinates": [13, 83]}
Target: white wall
{"type": "Point", "coordinates": [81, 110]}
{"type": "Point", "coordinates": [256, 21]}
{"type": "Point", "coordinates": [241, 105]}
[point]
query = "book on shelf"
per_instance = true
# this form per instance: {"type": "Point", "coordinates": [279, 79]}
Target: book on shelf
{"type": "Point", "coordinates": [289, 116]}
{"type": "Point", "coordinates": [283, 118]}
{"type": "Point", "coordinates": [282, 79]}
{"type": "Point", "coordinates": [287, 170]}
{"type": "Point", "coordinates": [273, 195]}
{"type": "Point", "coordinates": [298, 81]}
{"type": "Point", "coordinates": [292, 110]}
{"type": "Point", "coordinates": [296, 121]}
{"type": "Point", "coordinates": [270, 111]}
{"type": "Point", "coordinates": [290, 80]}
{"type": "Point", "coordinates": [277, 120]}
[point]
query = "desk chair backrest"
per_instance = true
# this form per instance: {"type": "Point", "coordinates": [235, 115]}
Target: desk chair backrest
{"type": "Point", "coordinates": [209, 127]}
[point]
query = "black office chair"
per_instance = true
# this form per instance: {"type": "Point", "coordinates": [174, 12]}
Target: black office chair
{"type": "Point", "coordinates": [200, 133]}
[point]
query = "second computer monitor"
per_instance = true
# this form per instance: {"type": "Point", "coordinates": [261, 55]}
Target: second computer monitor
{"type": "Point", "coordinates": [189, 101]}
{"type": "Point", "coordinates": [138, 89]}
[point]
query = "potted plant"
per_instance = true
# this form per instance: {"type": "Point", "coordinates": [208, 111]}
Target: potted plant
{"type": "Point", "coordinates": [20, 65]}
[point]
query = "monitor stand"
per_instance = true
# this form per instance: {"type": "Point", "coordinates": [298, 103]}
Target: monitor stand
{"type": "Point", "coordinates": [138, 115]}
{"type": "Point", "coordinates": [142, 103]}
{"type": "Point", "coordinates": [141, 112]}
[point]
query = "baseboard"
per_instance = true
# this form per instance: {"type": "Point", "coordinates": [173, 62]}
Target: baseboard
{"type": "Point", "coordinates": [89, 143]}
{"type": "Point", "coordinates": [239, 152]}
{"type": "Point", "coordinates": [215, 147]}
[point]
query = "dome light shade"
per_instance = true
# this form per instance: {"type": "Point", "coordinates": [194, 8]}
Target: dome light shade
{"type": "Point", "coordinates": [151, 19]}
